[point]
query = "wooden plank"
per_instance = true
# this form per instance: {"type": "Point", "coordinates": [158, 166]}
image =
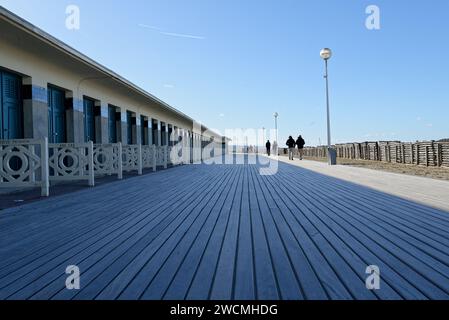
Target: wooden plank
{"type": "Point", "coordinates": [244, 280]}
{"type": "Point", "coordinates": [222, 286]}
{"type": "Point", "coordinates": [289, 287]}
{"type": "Point", "coordinates": [326, 273]}
{"type": "Point", "coordinates": [416, 278]}
{"type": "Point", "coordinates": [165, 272]}
{"type": "Point", "coordinates": [93, 265]}
{"type": "Point", "coordinates": [306, 276]}
{"type": "Point", "coordinates": [204, 255]}
{"type": "Point", "coordinates": [205, 274]}
{"type": "Point", "coordinates": [116, 279]}
{"type": "Point", "coordinates": [293, 235]}
{"type": "Point", "coordinates": [64, 235]}
{"type": "Point", "coordinates": [350, 275]}
{"type": "Point", "coordinates": [73, 252]}
{"type": "Point", "coordinates": [265, 277]}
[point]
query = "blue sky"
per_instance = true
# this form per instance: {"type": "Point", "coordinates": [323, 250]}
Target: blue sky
{"type": "Point", "coordinates": [233, 63]}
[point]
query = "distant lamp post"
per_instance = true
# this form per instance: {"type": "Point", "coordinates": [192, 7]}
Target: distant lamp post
{"type": "Point", "coordinates": [276, 115]}
{"type": "Point", "coordinates": [326, 54]}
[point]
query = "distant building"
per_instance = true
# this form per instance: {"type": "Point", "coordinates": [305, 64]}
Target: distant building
{"type": "Point", "coordinates": [48, 89]}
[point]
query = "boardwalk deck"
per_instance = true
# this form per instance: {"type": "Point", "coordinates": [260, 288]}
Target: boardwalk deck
{"type": "Point", "coordinates": [225, 232]}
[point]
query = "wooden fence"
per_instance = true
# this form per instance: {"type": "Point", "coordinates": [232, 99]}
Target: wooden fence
{"type": "Point", "coordinates": [425, 153]}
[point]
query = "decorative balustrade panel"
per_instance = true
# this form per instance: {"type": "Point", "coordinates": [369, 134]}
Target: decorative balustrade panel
{"type": "Point", "coordinates": [70, 162]}
{"type": "Point", "coordinates": [24, 163]}
{"type": "Point", "coordinates": [161, 155]}
{"type": "Point", "coordinates": [170, 156]}
{"type": "Point", "coordinates": [108, 159]}
{"type": "Point", "coordinates": [149, 156]}
{"type": "Point", "coordinates": [132, 157]}
{"type": "Point", "coordinates": [19, 162]}
{"type": "Point", "coordinates": [175, 155]}
{"type": "Point", "coordinates": [35, 162]}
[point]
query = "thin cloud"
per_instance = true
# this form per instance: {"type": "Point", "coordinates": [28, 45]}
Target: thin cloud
{"type": "Point", "coordinates": [149, 27]}
{"type": "Point", "coordinates": [181, 35]}
{"type": "Point", "coordinates": [428, 124]}
{"type": "Point", "coordinates": [169, 86]}
{"type": "Point", "coordinates": [172, 34]}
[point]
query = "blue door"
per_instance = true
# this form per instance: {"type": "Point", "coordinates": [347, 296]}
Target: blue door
{"type": "Point", "coordinates": [154, 132]}
{"type": "Point", "coordinates": [170, 138]}
{"type": "Point", "coordinates": [143, 125]}
{"type": "Point", "coordinates": [163, 135]}
{"type": "Point", "coordinates": [129, 124]}
{"type": "Point", "coordinates": [56, 116]}
{"type": "Point", "coordinates": [89, 120]}
{"type": "Point", "coordinates": [112, 124]}
{"type": "Point", "coordinates": [11, 107]}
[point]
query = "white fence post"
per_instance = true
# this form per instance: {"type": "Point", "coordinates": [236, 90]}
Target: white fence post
{"type": "Point", "coordinates": [45, 188]}
{"type": "Point", "coordinates": [139, 159]}
{"type": "Point", "coordinates": [120, 161]}
{"type": "Point", "coordinates": [165, 156]}
{"type": "Point", "coordinates": [90, 158]}
{"type": "Point", "coordinates": [32, 169]}
{"type": "Point", "coordinates": [154, 157]}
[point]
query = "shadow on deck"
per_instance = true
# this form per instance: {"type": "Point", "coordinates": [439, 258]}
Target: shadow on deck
{"type": "Point", "coordinates": [225, 232]}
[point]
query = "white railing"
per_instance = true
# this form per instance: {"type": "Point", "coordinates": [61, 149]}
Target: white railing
{"type": "Point", "coordinates": [71, 162]}
{"type": "Point", "coordinates": [31, 163]}
{"type": "Point", "coordinates": [108, 159]}
{"type": "Point", "coordinates": [169, 155]}
{"type": "Point", "coordinates": [132, 158]}
{"type": "Point", "coordinates": [161, 156]}
{"type": "Point", "coordinates": [176, 156]}
{"type": "Point", "coordinates": [149, 157]}
{"type": "Point", "coordinates": [24, 163]}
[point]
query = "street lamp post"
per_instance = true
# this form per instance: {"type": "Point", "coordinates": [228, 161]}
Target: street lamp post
{"type": "Point", "coordinates": [326, 54]}
{"type": "Point", "coordinates": [276, 115]}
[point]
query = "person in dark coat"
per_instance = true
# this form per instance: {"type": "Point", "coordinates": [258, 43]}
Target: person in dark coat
{"type": "Point", "coordinates": [291, 148]}
{"type": "Point", "coordinates": [300, 143]}
{"type": "Point", "coordinates": [268, 146]}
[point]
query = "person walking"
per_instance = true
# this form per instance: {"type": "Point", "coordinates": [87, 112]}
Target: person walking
{"type": "Point", "coordinates": [291, 148]}
{"type": "Point", "coordinates": [268, 146]}
{"type": "Point", "coordinates": [300, 142]}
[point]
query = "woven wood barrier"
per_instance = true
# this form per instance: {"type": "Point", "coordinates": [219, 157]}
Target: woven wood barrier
{"type": "Point", "coordinates": [425, 153]}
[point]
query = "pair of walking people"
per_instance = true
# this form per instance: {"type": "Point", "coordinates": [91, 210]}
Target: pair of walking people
{"type": "Point", "coordinates": [291, 143]}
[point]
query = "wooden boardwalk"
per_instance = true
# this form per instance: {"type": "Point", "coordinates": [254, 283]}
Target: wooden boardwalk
{"type": "Point", "coordinates": [225, 232]}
